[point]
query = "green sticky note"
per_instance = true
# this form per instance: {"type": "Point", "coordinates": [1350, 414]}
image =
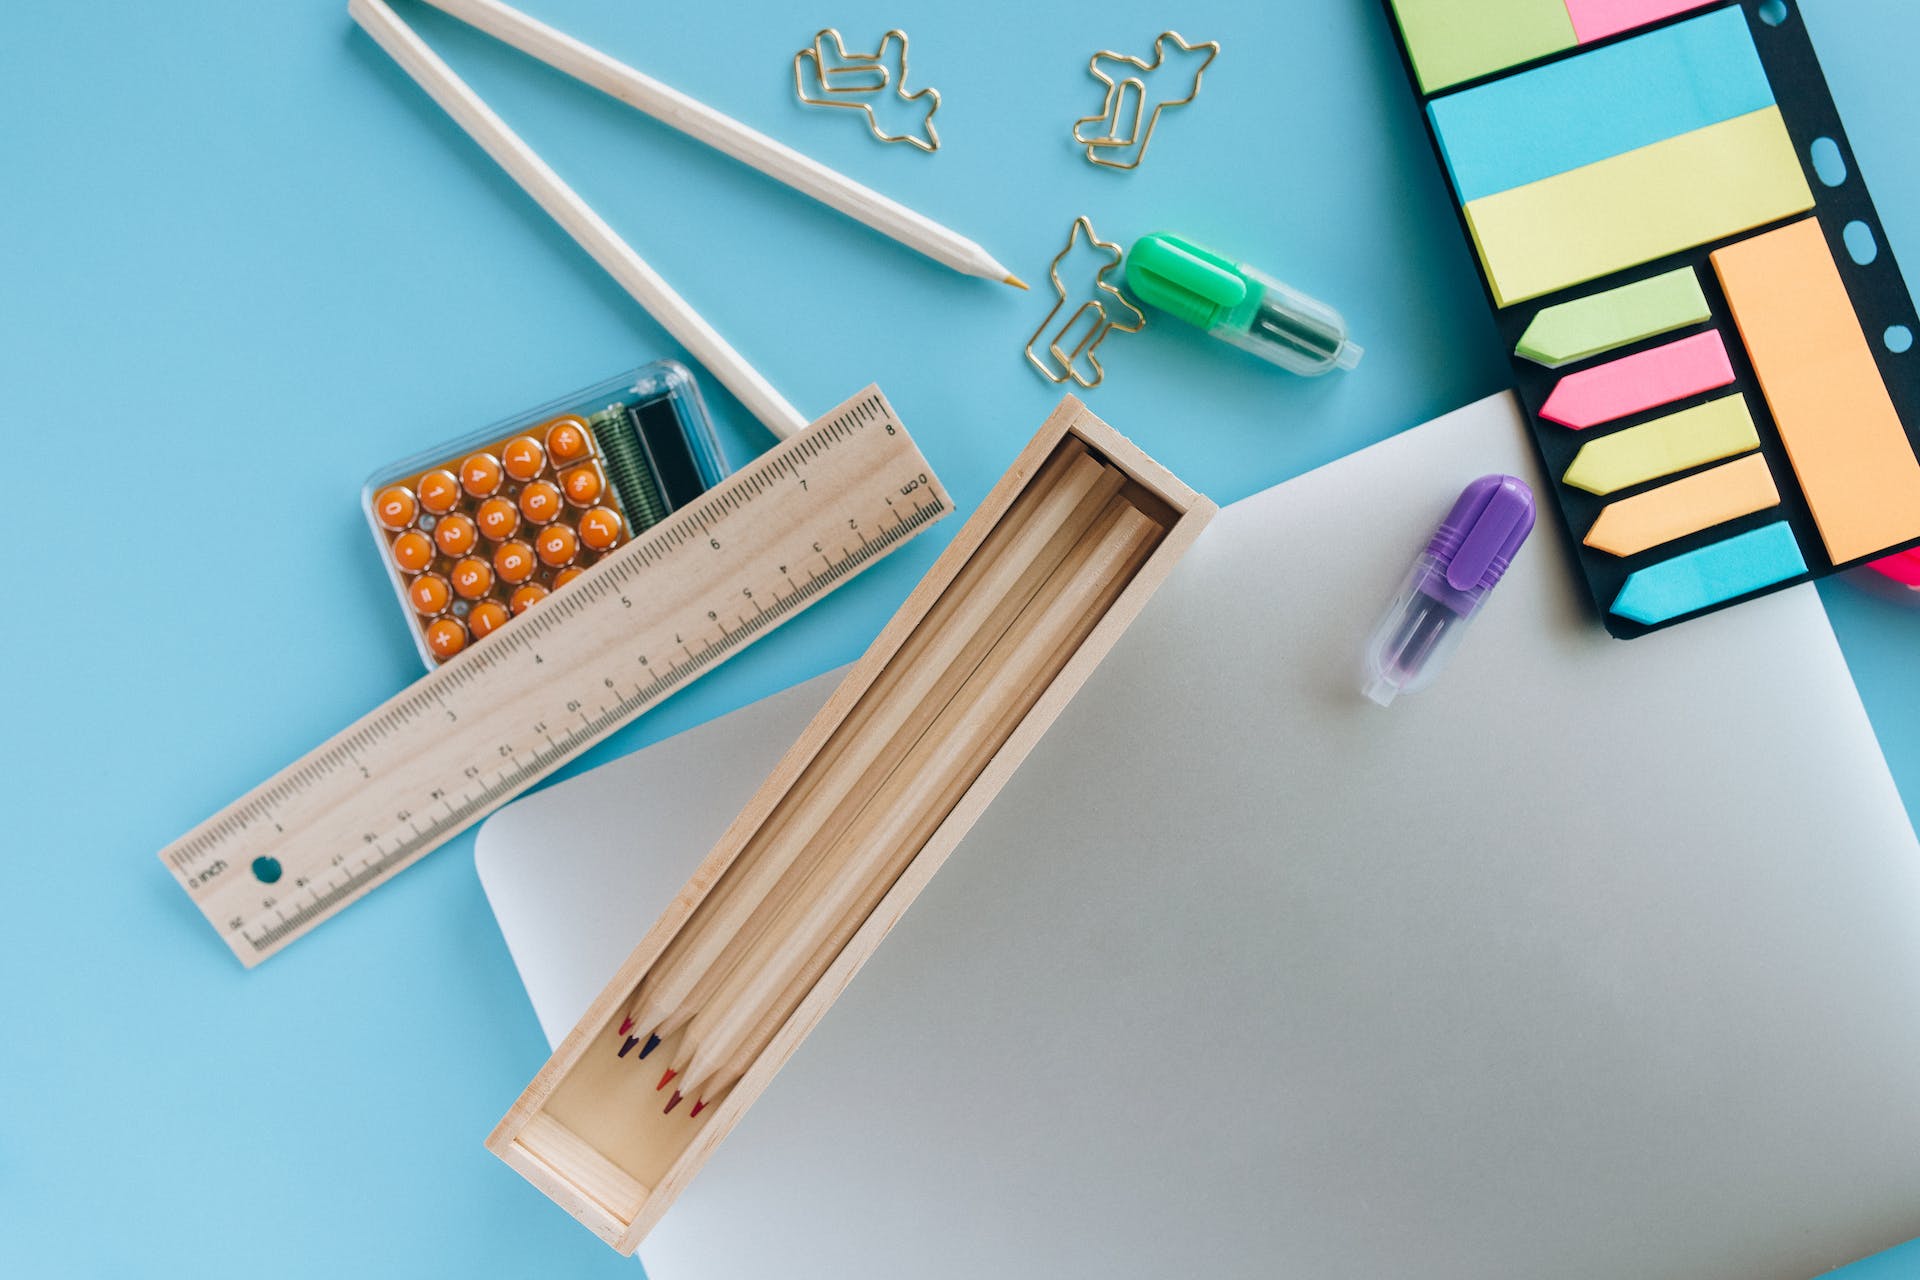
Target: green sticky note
{"type": "Point", "coordinates": [1615, 318]}
{"type": "Point", "coordinates": [1455, 40]}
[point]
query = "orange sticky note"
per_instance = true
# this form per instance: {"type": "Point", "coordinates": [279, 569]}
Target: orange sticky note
{"type": "Point", "coordinates": [1633, 525]}
{"type": "Point", "coordinates": [1850, 452]}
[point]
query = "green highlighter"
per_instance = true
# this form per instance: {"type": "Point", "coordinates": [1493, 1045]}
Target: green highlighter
{"type": "Point", "coordinates": [1239, 304]}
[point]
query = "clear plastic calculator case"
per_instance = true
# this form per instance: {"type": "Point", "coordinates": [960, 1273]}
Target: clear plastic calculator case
{"type": "Point", "coordinates": [479, 530]}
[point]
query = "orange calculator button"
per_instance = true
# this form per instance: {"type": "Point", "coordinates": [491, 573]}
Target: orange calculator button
{"type": "Point", "coordinates": [480, 474]}
{"type": "Point", "coordinates": [514, 561]}
{"type": "Point", "coordinates": [446, 637]}
{"type": "Point", "coordinates": [472, 577]}
{"type": "Point", "coordinates": [523, 457]}
{"type": "Point", "coordinates": [600, 528]}
{"type": "Point", "coordinates": [412, 551]}
{"type": "Point", "coordinates": [540, 502]}
{"type": "Point", "coordinates": [497, 519]}
{"type": "Point", "coordinates": [439, 492]}
{"type": "Point", "coordinates": [583, 485]}
{"type": "Point", "coordinates": [524, 598]}
{"type": "Point", "coordinates": [456, 534]}
{"type": "Point", "coordinates": [486, 618]}
{"type": "Point", "coordinates": [566, 575]}
{"type": "Point", "coordinates": [557, 545]}
{"type": "Point", "coordinates": [394, 506]}
{"type": "Point", "coordinates": [567, 441]}
{"type": "Point", "coordinates": [430, 594]}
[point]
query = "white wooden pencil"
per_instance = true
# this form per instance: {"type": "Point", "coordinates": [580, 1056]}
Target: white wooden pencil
{"type": "Point", "coordinates": [723, 133]}
{"type": "Point", "coordinates": [566, 207]}
{"type": "Point", "coordinates": [926, 673]}
{"type": "Point", "coordinates": [919, 793]}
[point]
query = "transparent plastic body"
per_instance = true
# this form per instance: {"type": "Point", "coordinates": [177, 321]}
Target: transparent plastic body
{"type": "Point", "coordinates": [1419, 633]}
{"type": "Point", "coordinates": [475, 531]}
{"type": "Point", "coordinates": [1283, 326]}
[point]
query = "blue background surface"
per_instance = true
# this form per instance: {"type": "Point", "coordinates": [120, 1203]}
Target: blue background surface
{"type": "Point", "coordinates": [243, 262]}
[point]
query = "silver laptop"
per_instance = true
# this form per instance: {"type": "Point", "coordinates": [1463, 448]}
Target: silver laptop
{"type": "Point", "coordinates": [1596, 960]}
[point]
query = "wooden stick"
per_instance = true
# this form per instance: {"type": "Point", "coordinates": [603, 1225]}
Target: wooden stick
{"type": "Point", "coordinates": [573, 214]}
{"type": "Point", "coordinates": [976, 641]}
{"type": "Point", "coordinates": [660, 1002]}
{"type": "Point", "coordinates": [723, 133]}
{"type": "Point", "coordinates": [907, 694]}
{"type": "Point", "coordinates": [920, 792]}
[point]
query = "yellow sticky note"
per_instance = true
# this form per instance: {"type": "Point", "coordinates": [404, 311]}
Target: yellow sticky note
{"type": "Point", "coordinates": [1680, 441]}
{"type": "Point", "coordinates": [1638, 206]}
{"type": "Point", "coordinates": [1656, 518]}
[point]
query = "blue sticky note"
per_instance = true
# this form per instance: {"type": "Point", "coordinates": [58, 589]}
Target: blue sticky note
{"type": "Point", "coordinates": [1601, 104]}
{"type": "Point", "coordinates": [1713, 574]}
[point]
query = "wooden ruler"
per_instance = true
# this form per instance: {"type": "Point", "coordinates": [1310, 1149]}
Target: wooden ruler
{"type": "Point", "coordinates": [463, 740]}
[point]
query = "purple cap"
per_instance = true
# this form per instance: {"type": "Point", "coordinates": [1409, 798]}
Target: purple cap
{"type": "Point", "coordinates": [1478, 540]}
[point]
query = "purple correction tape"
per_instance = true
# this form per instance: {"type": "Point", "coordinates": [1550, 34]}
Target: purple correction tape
{"type": "Point", "coordinates": [1453, 577]}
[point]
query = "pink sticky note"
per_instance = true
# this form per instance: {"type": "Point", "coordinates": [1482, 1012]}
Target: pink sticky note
{"type": "Point", "coordinates": [1598, 19]}
{"type": "Point", "coordinates": [1903, 568]}
{"type": "Point", "coordinates": [1637, 383]}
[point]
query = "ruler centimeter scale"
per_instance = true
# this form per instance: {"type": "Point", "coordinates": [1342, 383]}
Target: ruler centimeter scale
{"type": "Point", "coordinates": [655, 614]}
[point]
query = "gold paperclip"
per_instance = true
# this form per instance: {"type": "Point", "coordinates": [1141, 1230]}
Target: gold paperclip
{"type": "Point", "coordinates": [1131, 90]}
{"type": "Point", "coordinates": [1090, 322]}
{"type": "Point", "coordinates": [842, 75]}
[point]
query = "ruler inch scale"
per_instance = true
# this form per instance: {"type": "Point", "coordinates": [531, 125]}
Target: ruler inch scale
{"type": "Point", "coordinates": [469, 736]}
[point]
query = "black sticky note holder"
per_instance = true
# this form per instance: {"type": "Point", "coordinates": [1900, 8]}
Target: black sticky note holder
{"type": "Point", "coordinates": [1877, 289]}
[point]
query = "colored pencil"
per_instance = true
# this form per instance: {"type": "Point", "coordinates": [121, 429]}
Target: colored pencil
{"type": "Point", "coordinates": [900, 704]}
{"type": "Point", "coordinates": [917, 796]}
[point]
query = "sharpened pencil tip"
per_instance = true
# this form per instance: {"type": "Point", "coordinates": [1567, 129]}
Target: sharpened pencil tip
{"type": "Point", "coordinates": [696, 1108]}
{"type": "Point", "coordinates": [653, 1042]}
{"type": "Point", "coordinates": [670, 1074]}
{"type": "Point", "coordinates": [1015, 281]}
{"type": "Point", "coordinates": [627, 1048]}
{"type": "Point", "coordinates": [672, 1102]}
{"type": "Point", "coordinates": [626, 1025]}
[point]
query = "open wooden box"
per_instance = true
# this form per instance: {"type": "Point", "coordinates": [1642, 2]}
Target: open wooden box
{"type": "Point", "coordinates": [589, 1131]}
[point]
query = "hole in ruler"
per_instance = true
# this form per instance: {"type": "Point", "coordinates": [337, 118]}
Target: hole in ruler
{"type": "Point", "coordinates": [1828, 162]}
{"type": "Point", "coordinates": [1862, 246]}
{"type": "Point", "coordinates": [1899, 339]}
{"type": "Point", "coordinates": [1773, 12]}
{"type": "Point", "coordinates": [266, 870]}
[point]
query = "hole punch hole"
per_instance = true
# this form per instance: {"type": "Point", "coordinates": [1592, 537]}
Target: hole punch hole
{"type": "Point", "coordinates": [1774, 12]}
{"type": "Point", "coordinates": [1899, 339]}
{"type": "Point", "coordinates": [1862, 245]}
{"type": "Point", "coordinates": [1828, 163]}
{"type": "Point", "coordinates": [266, 870]}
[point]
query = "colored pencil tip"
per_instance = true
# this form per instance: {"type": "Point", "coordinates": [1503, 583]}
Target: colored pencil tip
{"type": "Point", "coordinates": [653, 1042]}
{"type": "Point", "coordinates": [627, 1048]}
{"type": "Point", "coordinates": [1015, 281]}
{"type": "Point", "coordinates": [626, 1025]}
{"type": "Point", "coordinates": [672, 1102]}
{"type": "Point", "coordinates": [670, 1074]}
{"type": "Point", "coordinates": [696, 1108]}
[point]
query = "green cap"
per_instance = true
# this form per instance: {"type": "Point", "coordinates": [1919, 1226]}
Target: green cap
{"type": "Point", "coordinates": [1183, 279]}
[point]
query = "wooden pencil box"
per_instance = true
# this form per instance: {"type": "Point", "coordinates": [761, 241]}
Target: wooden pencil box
{"type": "Point", "coordinates": [589, 1131]}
